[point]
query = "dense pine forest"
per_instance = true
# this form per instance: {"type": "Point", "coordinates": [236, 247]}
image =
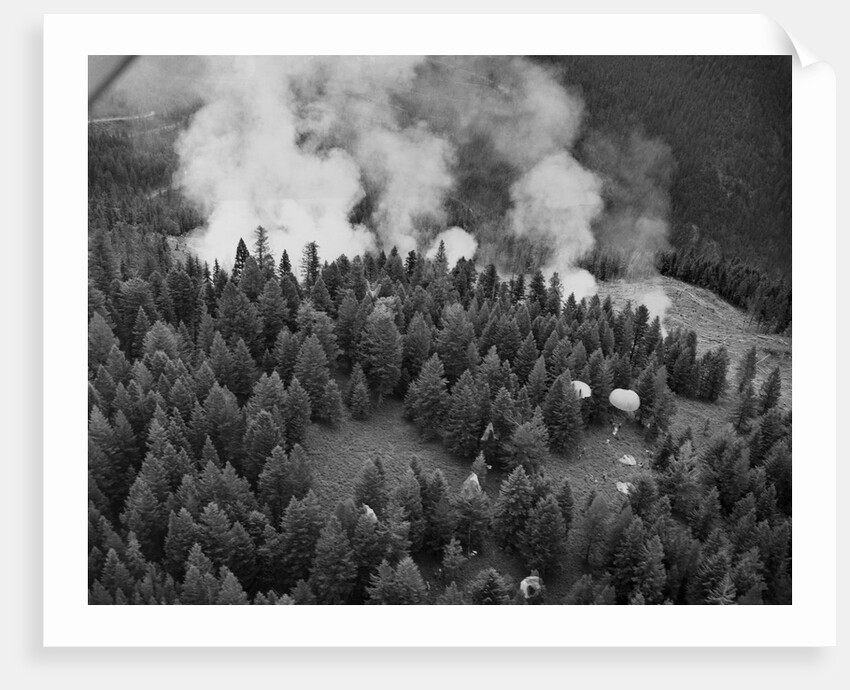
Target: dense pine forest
{"type": "Point", "coordinates": [208, 384]}
{"type": "Point", "coordinates": [203, 387]}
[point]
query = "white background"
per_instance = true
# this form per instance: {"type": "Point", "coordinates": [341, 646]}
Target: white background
{"type": "Point", "coordinates": [22, 46]}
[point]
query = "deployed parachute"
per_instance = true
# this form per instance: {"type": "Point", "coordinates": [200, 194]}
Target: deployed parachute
{"type": "Point", "coordinates": [581, 389]}
{"type": "Point", "coordinates": [625, 400]}
{"type": "Point", "coordinates": [530, 586]}
{"type": "Point", "coordinates": [470, 486]}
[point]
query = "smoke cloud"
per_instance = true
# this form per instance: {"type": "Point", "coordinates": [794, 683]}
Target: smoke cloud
{"type": "Point", "coordinates": [458, 244]}
{"type": "Point", "coordinates": [361, 154]}
{"type": "Point", "coordinates": [637, 172]}
{"type": "Point", "coordinates": [657, 302]}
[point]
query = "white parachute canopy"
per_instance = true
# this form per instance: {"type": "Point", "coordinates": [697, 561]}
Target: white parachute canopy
{"type": "Point", "coordinates": [470, 486]}
{"type": "Point", "coordinates": [530, 586]}
{"type": "Point", "coordinates": [625, 400]}
{"type": "Point", "coordinates": [581, 389]}
{"type": "Point", "coordinates": [370, 513]}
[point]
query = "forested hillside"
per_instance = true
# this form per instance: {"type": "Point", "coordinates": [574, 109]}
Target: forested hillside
{"type": "Point", "coordinates": [728, 122]}
{"type": "Point", "coordinates": [203, 387]}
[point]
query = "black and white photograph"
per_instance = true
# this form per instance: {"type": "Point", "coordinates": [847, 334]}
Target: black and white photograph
{"type": "Point", "coordinates": [439, 330]}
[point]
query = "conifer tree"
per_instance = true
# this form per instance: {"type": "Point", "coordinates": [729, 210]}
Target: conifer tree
{"type": "Point", "coordinates": [416, 346]}
{"type": "Point", "coordinates": [273, 312]}
{"type": "Point", "coordinates": [594, 530]}
{"type": "Point", "coordinates": [564, 497]}
{"type": "Point", "coordinates": [408, 497]}
{"type": "Point", "coordinates": [427, 400]}
{"type": "Point", "coordinates": [285, 354]}
{"type": "Point", "coordinates": [745, 411]}
{"type": "Point", "coordinates": [283, 477]}
{"type": "Point", "coordinates": [262, 436]}
{"type": "Point", "coordinates": [214, 534]}
{"type": "Point", "coordinates": [143, 515]}
{"type": "Point", "coordinates": [400, 585]}
{"type": "Point", "coordinates": [746, 372]}
{"type": "Point", "coordinates": [239, 264]}
{"type": "Point", "coordinates": [334, 570]}
{"type": "Point", "coordinates": [296, 413]}
{"type": "Point", "coordinates": [453, 559]}
{"type": "Point", "coordinates": [770, 391]}
{"type": "Point", "coordinates": [562, 415]}
{"type": "Point", "coordinates": [237, 318]}
{"type": "Point", "coordinates": [331, 410]}
{"type": "Point", "coordinates": [453, 341]}
{"type": "Point", "coordinates": [489, 588]}
{"type": "Point", "coordinates": [471, 515]}
{"type": "Point", "coordinates": [525, 359]}
{"type": "Point", "coordinates": [350, 323]}
{"type": "Point", "coordinates": [529, 443]}
{"type": "Point", "coordinates": [321, 297]}
{"type": "Point", "coordinates": [299, 531]}
{"type": "Point", "coordinates": [285, 265]}
{"type": "Point", "coordinates": [368, 545]}
{"type": "Point", "coordinates": [101, 340]}
{"type": "Point", "coordinates": [182, 534]}
{"type": "Point", "coordinates": [231, 592]}
{"type": "Point", "coordinates": [597, 375]}
{"type": "Point", "coordinates": [713, 367]}
{"type": "Point", "coordinates": [311, 370]}
{"type": "Point", "coordinates": [542, 541]}
{"type": "Point", "coordinates": [262, 252]}
{"type": "Point", "coordinates": [516, 499]}
{"type": "Point", "coordinates": [464, 422]}
{"type": "Point", "coordinates": [538, 383]}
{"type": "Point", "coordinates": [724, 593]}
{"type": "Point", "coordinates": [141, 326]}
{"type": "Point", "coordinates": [359, 399]}
{"type": "Point", "coordinates": [381, 352]}
{"type": "Point", "coordinates": [310, 264]}
{"type": "Point", "coordinates": [371, 487]}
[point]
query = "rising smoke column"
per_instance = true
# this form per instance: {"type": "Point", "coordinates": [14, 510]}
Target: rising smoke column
{"type": "Point", "coordinates": [554, 206]}
{"type": "Point", "coordinates": [637, 172]}
{"type": "Point", "coordinates": [241, 163]}
{"type": "Point", "coordinates": [367, 153]}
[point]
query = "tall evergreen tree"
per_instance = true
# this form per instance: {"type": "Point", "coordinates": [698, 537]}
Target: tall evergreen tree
{"type": "Point", "coordinates": [542, 541]}
{"type": "Point", "coordinates": [381, 352]}
{"type": "Point", "coordinates": [562, 415]}
{"type": "Point", "coordinates": [513, 507]}
{"type": "Point", "coordinates": [770, 391]}
{"type": "Point", "coordinates": [239, 264]}
{"type": "Point", "coordinates": [299, 532]}
{"type": "Point", "coordinates": [427, 400]}
{"type": "Point", "coordinates": [464, 420]}
{"type": "Point", "coordinates": [334, 570]}
{"type": "Point", "coordinates": [746, 372]}
{"type": "Point", "coordinates": [310, 264]}
{"type": "Point", "coordinates": [311, 370]}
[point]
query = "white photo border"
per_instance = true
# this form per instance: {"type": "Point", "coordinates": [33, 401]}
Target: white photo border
{"type": "Point", "coordinates": [70, 621]}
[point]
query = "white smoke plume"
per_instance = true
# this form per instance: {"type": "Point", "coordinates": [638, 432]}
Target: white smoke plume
{"type": "Point", "coordinates": [241, 162]}
{"type": "Point", "coordinates": [637, 172]}
{"type": "Point", "coordinates": [657, 302]}
{"type": "Point", "coordinates": [555, 204]}
{"type": "Point", "coordinates": [458, 244]}
{"type": "Point", "coordinates": [361, 154]}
